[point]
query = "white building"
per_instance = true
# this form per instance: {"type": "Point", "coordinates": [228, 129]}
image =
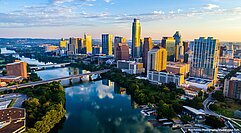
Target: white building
{"type": "Point", "coordinates": [130, 67]}
{"type": "Point", "coordinates": [164, 77]}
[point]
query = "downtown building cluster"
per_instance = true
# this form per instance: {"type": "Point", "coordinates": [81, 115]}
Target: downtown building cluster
{"type": "Point", "coordinates": [189, 64]}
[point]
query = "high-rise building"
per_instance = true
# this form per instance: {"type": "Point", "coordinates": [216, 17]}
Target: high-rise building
{"type": "Point", "coordinates": [88, 43]}
{"type": "Point", "coordinates": [179, 48]}
{"type": "Point", "coordinates": [146, 47]}
{"type": "Point", "coordinates": [141, 47]}
{"type": "Point", "coordinates": [157, 59]}
{"type": "Point", "coordinates": [107, 44]}
{"type": "Point", "coordinates": [186, 46]}
{"type": "Point", "coordinates": [117, 40]}
{"type": "Point", "coordinates": [18, 68]}
{"type": "Point", "coordinates": [72, 46]}
{"type": "Point", "coordinates": [122, 52]}
{"type": "Point", "coordinates": [136, 38]}
{"type": "Point", "coordinates": [204, 62]}
{"type": "Point", "coordinates": [63, 43]}
{"type": "Point", "coordinates": [96, 50]}
{"type": "Point", "coordinates": [169, 44]}
{"type": "Point", "coordinates": [81, 47]}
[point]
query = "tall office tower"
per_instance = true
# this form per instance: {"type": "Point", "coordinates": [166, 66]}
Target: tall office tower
{"type": "Point", "coordinates": [117, 40]}
{"type": "Point", "coordinates": [157, 59]}
{"type": "Point", "coordinates": [81, 46]}
{"type": "Point", "coordinates": [204, 63]}
{"type": "Point", "coordinates": [169, 44]}
{"type": "Point", "coordinates": [141, 47]}
{"type": "Point", "coordinates": [186, 46]}
{"type": "Point", "coordinates": [18, 68]}
{"type": "Point", "coordinates": [88, 43]}
{"type": "Point", "coordinates": [136, 36]}
{"type": "Point", "coordinates": [122, 52]}
{"type": "Point", "coordinates": [222, 50]}
{"type": "Point", "coordinates": [179, 48]}
{"type": "Point", "coordinates": [107, 44]}
{"type": "Point", "coordinates": [146, 47]}
{"type": "Point", "coordinates": [63, 43]}
{"type": "Point", "coordinates": [72, 46]}
{"type": "Point", "coordinates": [96, 50]}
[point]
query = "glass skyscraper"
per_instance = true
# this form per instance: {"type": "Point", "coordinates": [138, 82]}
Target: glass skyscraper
{"type": "Point", "coordinates": [107, 44]}
{"type": "Point", "coordinates": [136, 39]}
{"type": "Point", "coordinates": [204, 62]}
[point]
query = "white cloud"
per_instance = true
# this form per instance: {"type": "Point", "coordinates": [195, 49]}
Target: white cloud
{"type": "Point", "coordinates": [210, 6]}
{"type": "Point", "coordinates": [107, 1]}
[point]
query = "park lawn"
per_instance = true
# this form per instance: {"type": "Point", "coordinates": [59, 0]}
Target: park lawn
{"type": "Point", "coordinates": [12, 103]}
{"type": "Point", "coordinates": [228, 107]}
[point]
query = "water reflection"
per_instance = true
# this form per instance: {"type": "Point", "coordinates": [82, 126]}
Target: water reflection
{"type": "Point", "coordinates": [95, 108]}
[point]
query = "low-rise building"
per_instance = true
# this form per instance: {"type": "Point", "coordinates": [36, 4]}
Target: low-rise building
{"type": "Point", "coordinates": [232, 88]}
{"type": "Point", "coordinates": [178, 68]}
{"type": "Point", "coordinates": [229, 62]}
{"type": "Point", "coordinates": [18, 68]}
{"type": "Point", "coordinates": [8, 79]}
{"type": "Point", "coordinates": [196, 115]}
{"type": "Point", "coordinates": [200, 83]}
{"type": "Point", "coordinates": [12, 120]}
{"type": "Point", "coordinates": [165, 77]}
{"type": "Point", "coordinates": [51, 48]}
{"type": "Point", "coordinates": [130, 67]}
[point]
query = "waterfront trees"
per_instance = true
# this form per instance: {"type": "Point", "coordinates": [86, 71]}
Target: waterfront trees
{"type": "Point", "coordinates": [44, 107]}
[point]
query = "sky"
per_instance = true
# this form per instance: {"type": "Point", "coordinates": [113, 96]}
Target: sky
{"type": "Point", "coordinates": [72, 18]}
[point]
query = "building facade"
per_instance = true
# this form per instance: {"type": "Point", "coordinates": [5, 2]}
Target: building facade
{"type": "Point", "coordinates": [169, 44]}
{"type": "Point", "coordinates": [130, 67]}
{"type": "Point", "coordinates": [136, 39]}
{"type": "Point", "coordinates": [146, 47]}
{"type": "Point", "coordinates": [63, 43]}
{"type": "Point", "coordinates": [88, 43]}
{"type": "Point", "coordinates": [18, 68]}
{"type": "Point", "coordinates": [164, 77]}
{"type": "Point", "coordinates": [117, 40]}
{"type": "Point", "coordinates": [122, 52]}
{"type": "Point", "coordinates": [157, 59]}
{"type": "Point", "coordinates": [232, 88]}
{"type": "Point", "coordinates": [204, 62]}
{"type": "Point", "coordinates": [107, 44]}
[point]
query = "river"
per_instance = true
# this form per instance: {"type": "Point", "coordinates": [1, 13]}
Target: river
{"type": "Point", "coordinates": [98, 106]}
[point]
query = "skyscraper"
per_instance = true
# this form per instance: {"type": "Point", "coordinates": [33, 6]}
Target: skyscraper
{"type": "Point", "coordinates": [88, 43]}
{"type": "Point", "coordinates": [170, 44]}
{"type": "Point", "coordinates": [204, 62]}
{"type": "Point", "coordinates": [72, 46]}
{"type": "Point", "coordinates": [157, 59]}
{"type": "Point", "coordinates": [179, 48]}
{"type": "Point", "coordinates": [136, 36]}
{"type": "Point", "coordinates": [146, 47]}
{"type": "Point", "coordinates": [117, 40]}
{"type": "Point", "coordinates": [81, 46]}
{"type": "Point", "coordinates": [122, 52]}
{"type": "Point", "coordinates": [107, 44]}
{"type": "Point", "coordinates": [63, 43]}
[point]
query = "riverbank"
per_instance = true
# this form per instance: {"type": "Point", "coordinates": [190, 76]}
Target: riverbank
{"type": "Point", "coordinates": [44, 107]}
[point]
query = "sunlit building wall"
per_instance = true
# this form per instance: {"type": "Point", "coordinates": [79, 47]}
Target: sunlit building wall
{"type": "Point", "coordinates": [157, 59]}
{"type": "Point", "coordinates": [107, 44]}
{"type": "Point", "coordinates": [170, 45]}
{"type": "Point", "coordinates": [136, 36]}
{"type": "Point", "coordinates": [88, 43]}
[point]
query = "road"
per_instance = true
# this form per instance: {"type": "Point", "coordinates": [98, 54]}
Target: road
{"type": "Point", "coordinates": [207, 111]}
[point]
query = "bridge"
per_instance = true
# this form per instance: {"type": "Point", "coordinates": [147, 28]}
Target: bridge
{"type": "Point", "coordinates": [49, 66]}
{"type": "Point", "coordinates": [32, 84]}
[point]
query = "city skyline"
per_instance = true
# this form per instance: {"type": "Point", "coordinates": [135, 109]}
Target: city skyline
{"type": "Point", "coordinates": [66, 18]}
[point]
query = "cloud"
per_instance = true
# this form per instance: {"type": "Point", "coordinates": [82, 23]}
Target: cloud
{"type": "Point", "coordinates": [210, 6]}
{"type": "Point", "coordinates": [107, 1]}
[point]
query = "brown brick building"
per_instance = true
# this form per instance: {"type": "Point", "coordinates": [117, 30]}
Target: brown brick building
{"type": "Point", "coordinates": [18, 68]}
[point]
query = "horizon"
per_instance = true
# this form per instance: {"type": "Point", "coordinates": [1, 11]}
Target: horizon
{"type": "Point", "coordinates": [54, 19]}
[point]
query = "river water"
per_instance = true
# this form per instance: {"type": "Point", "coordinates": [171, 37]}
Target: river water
{"type": "Point", "coordinates": [98, 106]}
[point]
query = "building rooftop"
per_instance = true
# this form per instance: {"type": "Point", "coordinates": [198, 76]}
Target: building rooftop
{"type": "Point", "coordinates": [14, 63]}
{"type": "Point", "coordinates": [195, 111]}
{"type": "Point", "coordinates": [199, 80]}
